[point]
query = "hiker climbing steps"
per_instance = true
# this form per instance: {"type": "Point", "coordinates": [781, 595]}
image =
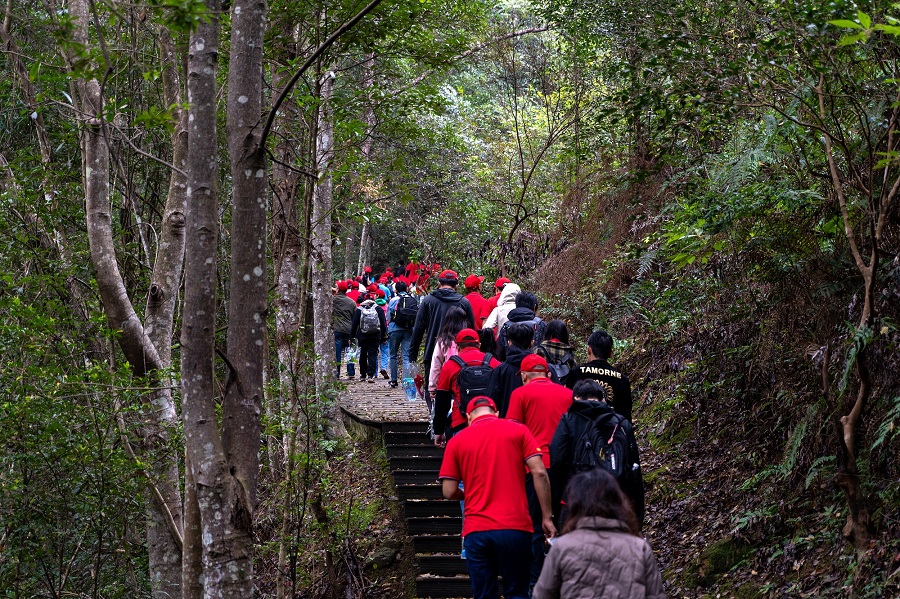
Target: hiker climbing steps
{"type": "Point", "coordinates": [433, 524]}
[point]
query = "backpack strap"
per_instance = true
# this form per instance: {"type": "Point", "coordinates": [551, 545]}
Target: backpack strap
{"type": "Point", "coordinates": [459, 361]}
{"type": "Point", "coordinates": [487, 359]}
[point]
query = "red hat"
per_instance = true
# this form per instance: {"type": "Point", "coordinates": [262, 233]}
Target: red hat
{"type": "Point", "coordinates": [383, 279]}
{"type": "Point", "coordinates": [367, 269]}
{"type": "Point", "coordinates": [467, 335]}
{"type": "Point", "coordinates": [448, 275]}
{"type": "Point", "coordinates": [380, 293]}
{"type": "Point", "coordinates": [372, 287]}
{"type": "Point", "coordinates": [388, 269]}
{"type": "Point", "coordinates": [534, 363]}
{"type": "Point", "coordinates": [501, 282]}
{"type": "Point", "coordinates": [480, 402]}
{"type": "Point", "coordinates": [342, 286]}
{"type": "Point", "coordinates": [473, 281]}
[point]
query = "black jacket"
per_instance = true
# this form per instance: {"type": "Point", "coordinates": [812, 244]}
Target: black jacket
{"type": "Point", "coordinates": [570, 430]}
{"type": "Point", "coordinates": [610, 379]}
{"type": "Point", "coordinates": [520, 315]}
{"type": "Point", "coordinates": [505, 378]}
{"type": "Point", "coordinates": [430, 317]}
{"type": "Point", "coordinates": [380, 335]}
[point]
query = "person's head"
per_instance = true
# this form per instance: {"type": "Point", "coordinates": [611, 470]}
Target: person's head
{"type": "Point", "coordinates": [449, 279]}
{"type": "Point", "coordinates": [595, 493]}
{"type": "Point", "coordinates": [500, 283]}
{"type": "Point", "coordinates": [557, 329]}
{"type": "Point", "coordinates": [588, 390]}
{"type": "Point", "coordinates": [600, 345]}
{"type": "Point", "coordinates": [479, 406]}
{"type": "Point", "coordinates": [473, 283]}
{"type": "Point", "coordinates": [488, 341]}
{"type": "Point", "coordinates": [520, 335]}
{"type": "Point", "coordinates": [526, 299]}
{"type": "Point", "coordinates": [400, 287]}
{"type": "Point", "coordinates": [342, 287]}
{"type": "Point", "coordinates": [533, 367]}
{"type": "Point", "coordinates": [454, 321]}
{"type": "Point", "coordinates": [467, 338]}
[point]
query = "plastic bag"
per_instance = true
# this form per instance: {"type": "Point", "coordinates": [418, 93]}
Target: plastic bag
{"type": "Point", "coordinates": [352, 354]}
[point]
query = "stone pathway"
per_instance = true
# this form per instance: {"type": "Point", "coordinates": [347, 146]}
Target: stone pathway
{"type": "Point", "coordinates": [376, 402]}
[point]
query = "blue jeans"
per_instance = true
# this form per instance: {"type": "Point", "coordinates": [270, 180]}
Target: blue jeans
{"type": "Point", "coordinates": [342, 342]}
{"type": "Point", "coordinates": [384, 352]}
{"type": "Point", "coordinates": [493, 553]}
{"type": "Point", "coordinates": [400, 339]}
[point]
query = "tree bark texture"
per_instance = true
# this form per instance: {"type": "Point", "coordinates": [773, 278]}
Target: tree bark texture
{"type": "Point", "coordinates": [323, 327]}
{"type": "Point", "coordinates": [221, 502]}
{"type": "Point", "coordinates": [164, 532]}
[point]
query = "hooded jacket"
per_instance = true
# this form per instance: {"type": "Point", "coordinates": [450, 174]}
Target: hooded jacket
{"type": "Point", "coordinates": [600, 558]}
{"type": "Point", "coordinates": [571, 429]}
{"type": "Point", "coordinates": [505, 305]}
{"type": "Point", "coordinates": [378, 335]}
{"type": "Point", "coordinates": [430, 317]}
{"type": "Point", "coordinates": [343, 309]}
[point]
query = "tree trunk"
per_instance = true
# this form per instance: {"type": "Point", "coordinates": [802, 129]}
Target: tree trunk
{"type": "Point", "coordinates": [320, 237]}
{"type": "Point", "coordinates": [164, 532]}
{"type": "Point", "coordinates": [365, 240]}
{"type": "Point", "coordinates": [348, 252]}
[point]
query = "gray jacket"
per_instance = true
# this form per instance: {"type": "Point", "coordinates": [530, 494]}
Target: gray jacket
{"type": "Point", "coordinates": [600, 558]}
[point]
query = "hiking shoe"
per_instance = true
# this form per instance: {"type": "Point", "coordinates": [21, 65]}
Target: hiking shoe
{"type": "Point", "coordinates": [370, 379]}
{"type": "Point", "coordinates": [393, 384]}
{"type": "Point", "coordinates": [384, 373]}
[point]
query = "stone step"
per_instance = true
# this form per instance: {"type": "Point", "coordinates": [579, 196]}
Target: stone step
{"type": "Point", "coordinates": [412, 451]}
{"type": "Point", "coordinates": [442, 565]}
{"type": "Point", "coordinates": [434, 526]}
{"type": "Point", "coordinates": [407, 438]}
{"type": "Point", "coordinates": [431, 543]}
{"type": "Point", "coordinates": [416, 477]}
{"type": "Point", "coordinates": [443, 586]}
{"type": "Point", "coordinates": [428, 509]}
{"type": "Point", "coordinates": [404, 427]}
{"type": "Point", "coordinates": [430, 464]}
{"type": "Point", "coordinates": [429, 491]}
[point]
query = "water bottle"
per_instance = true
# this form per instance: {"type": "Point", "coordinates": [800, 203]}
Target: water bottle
{"type": "Point", "coordinates": [409, 388]}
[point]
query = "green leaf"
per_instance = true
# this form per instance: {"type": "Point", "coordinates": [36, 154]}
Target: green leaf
{"type": "Point", "coordinates": [889, 29]}
{"type": "Point", "coordinates": [844, 23]}
{"type": "Point", "coordinates": [852, 39]}
{"type": "Point", "coordinates": [864, 19]}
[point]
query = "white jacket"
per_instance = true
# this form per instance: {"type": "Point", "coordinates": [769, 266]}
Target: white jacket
{"type": "Point", "coordinates": [505, 305]}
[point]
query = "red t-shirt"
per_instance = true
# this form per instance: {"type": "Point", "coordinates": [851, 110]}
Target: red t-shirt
{"type": "Point", "coordinates": [539, 405]}
{"type": "Point", "coordinates": [448, 380]}
{"type": "Point", "coordinates": [478, 305]}
{"type": "Point", "coordinates": [354, 294]}
{"type": "Point", "coordinates": [488, 456]}
{"type": "Point", "coordinates": [489, 305]}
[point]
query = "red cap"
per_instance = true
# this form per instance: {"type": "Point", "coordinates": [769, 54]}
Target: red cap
{"type": "Point", "coordinates": [367, 269]}
{"type": "Point", "coordinates": [380, 293]}
{"type": "Point", "coordinates": [342, 286]}
{"type": "Point", "coordinates": [501, 282]}
{"type": "Point", "coordinates": [473, 281]}
{"type": "Point", "coordinates": [383, 279]}
{"type": "Point", "coordinates": [449, 275]}
{"type": "Point", "coordinates": [467, 335]}
{"type": "Point", "coordinates": [480, 402]}
{"type": "Point", "coordinates": [372, 287]}
{"type": "Point", "coordinates": [534, 363]}
{"type": "Point", "coordinates": [388, 269]}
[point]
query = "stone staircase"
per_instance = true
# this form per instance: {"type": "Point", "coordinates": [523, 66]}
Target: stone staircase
{"type": "Point", "coordinates": [433, 523]}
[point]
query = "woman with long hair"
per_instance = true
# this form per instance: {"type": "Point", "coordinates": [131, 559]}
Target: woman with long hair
{"type": "Point", "coordinates": [600, 552]}
{"type": "Point", "coordinates": [445, 345]}
{"type": "Point", "coordinates": [556, 350]}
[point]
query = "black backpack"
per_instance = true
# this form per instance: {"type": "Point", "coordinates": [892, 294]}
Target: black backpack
{"type": "Point", "coordinates": [562, 369]}
{"type": "Point", "coordinates": [603, 443]}
{"type": "Point", "coordinates": [405, 311]}
{"type": "Point", "coordinates": [473, 379]}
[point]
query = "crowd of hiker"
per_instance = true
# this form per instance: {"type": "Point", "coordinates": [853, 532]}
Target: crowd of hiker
{"type": "Point", "coordinates": [539, 450]}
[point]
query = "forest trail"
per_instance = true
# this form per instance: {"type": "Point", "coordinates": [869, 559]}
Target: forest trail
{"type": "Point", "coordinates": [433, 524]}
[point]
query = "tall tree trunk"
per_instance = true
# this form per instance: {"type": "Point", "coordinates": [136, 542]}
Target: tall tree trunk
{"type": "Point", "coordinates": [349, 254]}
{"type": "Point", "coordinates": [164, 534]}
{"type": "Point", "coordinates": [365, 241]}
{"type": "Point", "coordinates": [320, 238]}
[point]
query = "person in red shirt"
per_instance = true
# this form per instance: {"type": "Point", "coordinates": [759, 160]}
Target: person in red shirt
{"type": "Point", "coordinates": [488, 455]}
{"type": "Point", "coordinates": [491, 302]}
{"type": "Point", "coordinates": [353, 290]}
{"type": "Point", "coordinates": [473, 294]}
{"type": "Point", "coordinates": [446, 397]}
{"type": "Point", "coordinates": [538, 404]}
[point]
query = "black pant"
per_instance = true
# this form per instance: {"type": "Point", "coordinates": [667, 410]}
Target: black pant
{"type": "Point", "coordinates": [368, 356]}
{"type": "Point", "coordinates": [538, 546]}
